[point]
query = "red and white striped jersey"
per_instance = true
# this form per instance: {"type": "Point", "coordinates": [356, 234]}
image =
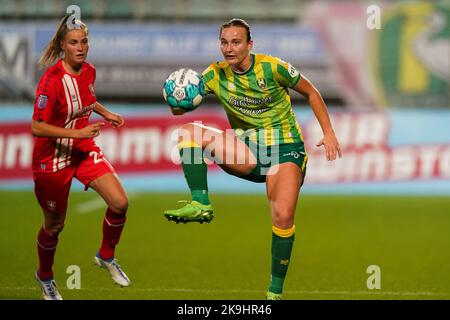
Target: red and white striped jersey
{"type": "Point", "coordinates": [67, 101]}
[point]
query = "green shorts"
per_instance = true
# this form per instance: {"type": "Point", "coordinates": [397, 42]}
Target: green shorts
{"type": "Point", "coordinates": [269, 156]}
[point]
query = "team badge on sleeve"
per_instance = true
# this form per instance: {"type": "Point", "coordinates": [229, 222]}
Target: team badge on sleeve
{"type": "Point", "coordinates": [292, 71]}
{"type": "Point", "coordinates": [42, 101]}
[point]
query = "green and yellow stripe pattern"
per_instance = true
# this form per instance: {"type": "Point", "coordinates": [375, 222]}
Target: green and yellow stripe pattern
{"type": "Point", "coordinates": [257, 102]}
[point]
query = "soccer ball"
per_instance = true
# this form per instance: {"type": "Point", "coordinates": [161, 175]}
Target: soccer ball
{"type": "Point", "coordinates": [184, 89]}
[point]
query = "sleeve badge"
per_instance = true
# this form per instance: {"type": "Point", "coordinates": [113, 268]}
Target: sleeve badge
{"type": "Point", "coordinates": [42, 101]}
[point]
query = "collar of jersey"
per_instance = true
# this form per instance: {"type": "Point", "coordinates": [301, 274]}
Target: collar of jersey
{"type": "Point", "coordinates": [71, 74]}
{"type": "Point", "coordinates": [249, 69]}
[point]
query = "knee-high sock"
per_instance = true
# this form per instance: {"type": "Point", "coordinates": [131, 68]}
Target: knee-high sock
{"type": "Point", "coordinates": [282, 242]}
{"type": "Point", "coordinates": [195, 170]}
{"type": "Point", "coordinates": [112, 229]}
{"type": "Point", "coordinates": [46, 247]}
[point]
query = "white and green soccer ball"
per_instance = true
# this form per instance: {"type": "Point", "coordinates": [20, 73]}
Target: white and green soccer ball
{"type": "Point", "coordinates": [184, 89]}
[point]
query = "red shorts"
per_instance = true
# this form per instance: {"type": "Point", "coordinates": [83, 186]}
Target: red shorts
{"type": "Point", "coordinates": [52, 188]}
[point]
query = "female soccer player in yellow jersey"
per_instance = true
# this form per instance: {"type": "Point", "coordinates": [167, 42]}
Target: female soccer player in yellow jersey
{"type": "Point", "coordinates": [266, 144]}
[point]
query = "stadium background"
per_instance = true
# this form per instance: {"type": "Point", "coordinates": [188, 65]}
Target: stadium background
{"type": "Point", "coordinates": [385, 203]}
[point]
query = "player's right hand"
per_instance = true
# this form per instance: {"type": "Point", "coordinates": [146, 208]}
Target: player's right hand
{"type": "Point", "coordinates": [90, 131]}
{"type": "Point", "coordinates": [332, 147]}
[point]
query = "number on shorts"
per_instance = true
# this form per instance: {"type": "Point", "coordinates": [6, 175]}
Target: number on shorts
{"type": "Point", "coordinates": [95, 155]}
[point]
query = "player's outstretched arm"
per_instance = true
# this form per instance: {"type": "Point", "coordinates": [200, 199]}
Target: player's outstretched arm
{"type": "Point", "coordinates": [329, 140]}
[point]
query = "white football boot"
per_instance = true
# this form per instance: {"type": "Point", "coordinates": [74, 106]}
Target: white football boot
{"type": "Point", "coordinates": [114, 269]}
{"type": "Point", "coordinates": [49, 288]}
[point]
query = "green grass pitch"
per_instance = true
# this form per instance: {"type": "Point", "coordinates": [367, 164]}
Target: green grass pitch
{"type": "Point", "coordinates": [337, 238]}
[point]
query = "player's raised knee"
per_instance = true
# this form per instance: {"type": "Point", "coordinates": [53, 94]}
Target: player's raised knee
{"type": "Point", "coordinates": [186, 132]}
{"type": "Point", "coordinates": [190, 135]}
{"type": "Point", "coordinates": [189, 127]}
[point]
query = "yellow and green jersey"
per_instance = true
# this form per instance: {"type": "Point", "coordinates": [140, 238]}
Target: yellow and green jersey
{"type": "Point", "coordinates": [257, 102]}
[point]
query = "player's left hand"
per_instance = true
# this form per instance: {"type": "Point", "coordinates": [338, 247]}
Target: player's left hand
{"type": "Point", "coordinates": [115, 119]}
{"type": "Point", "coordinates": [331, 144]}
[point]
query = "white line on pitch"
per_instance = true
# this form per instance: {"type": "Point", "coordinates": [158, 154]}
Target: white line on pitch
{"type": "Point", "coordinates": [315, 292]}
{"type": "Point", "coordinates": [94, 204]}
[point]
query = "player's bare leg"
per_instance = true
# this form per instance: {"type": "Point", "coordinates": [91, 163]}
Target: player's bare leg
{"type": "Point", "coordinates": [109, 187]}
{"type": "Point", "coordinates": [283, 186]}
{"type": "Point", "coordinates": [225, 148]}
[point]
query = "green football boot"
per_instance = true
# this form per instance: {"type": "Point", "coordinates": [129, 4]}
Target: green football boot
{"type": "Point", "coordinates": [273, 296]}
{"type": "Point", "coordinates": [191, 212]}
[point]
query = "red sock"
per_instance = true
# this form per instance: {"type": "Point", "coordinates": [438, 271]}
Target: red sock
{"type": "Point", "coordinates": [112, 229]}
{"type": "Point", "coordinates": [46, 247]}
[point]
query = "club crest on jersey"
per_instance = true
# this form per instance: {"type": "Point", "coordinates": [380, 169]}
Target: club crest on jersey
{"type": "Point", "coordinates": [42, 101]}
{"type": "Point", "coordinates": [261, 83]}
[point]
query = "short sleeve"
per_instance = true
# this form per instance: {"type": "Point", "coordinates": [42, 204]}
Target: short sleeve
{"type": "Point", "coordinates": [286, 75]}
{"type": "Point", "coordinates": [46, 98]}
{"type": "Point", "coordinates": [208, 76]}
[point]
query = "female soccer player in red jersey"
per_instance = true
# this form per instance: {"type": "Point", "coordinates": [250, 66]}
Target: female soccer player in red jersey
{"type": "Point", "coordinates": [65, 148]}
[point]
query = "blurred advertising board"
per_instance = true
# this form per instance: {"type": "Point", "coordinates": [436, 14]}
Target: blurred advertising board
{"type": "Point", "coordinates": [134, 60]}
{"type": "Point", "coordinates": [406, 146]}
{"type": "Point", "coordinates": [403, 63]}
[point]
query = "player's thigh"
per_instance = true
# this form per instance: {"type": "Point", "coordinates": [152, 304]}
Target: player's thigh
{"type": "Point", "coordinates": [234, 156]}
{"type": "Point", "coordinates": [96, 172]}
{"type": "Point", "coordinates": [283, 184]}
{"type": "Point", "coordinates": [109, 187]}
{"type": "Point", "coordinates": [223, 147]}
{"type": "Point", "coordinates": [52, 193]}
